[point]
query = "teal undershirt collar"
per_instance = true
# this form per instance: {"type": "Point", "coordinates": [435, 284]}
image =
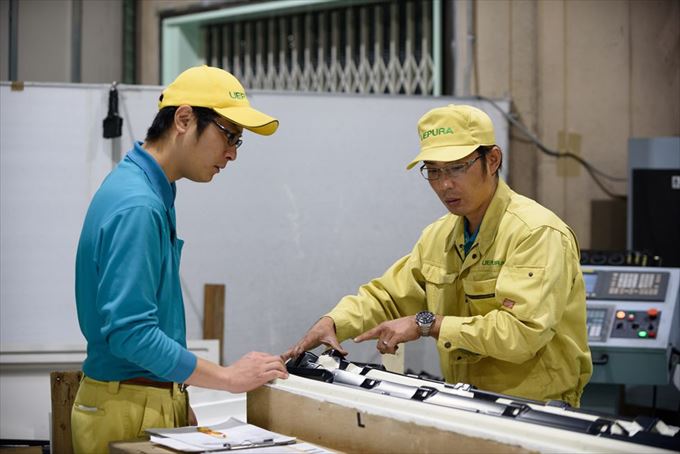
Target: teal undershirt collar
{"type": "Point", "coordinates": [469, 238]}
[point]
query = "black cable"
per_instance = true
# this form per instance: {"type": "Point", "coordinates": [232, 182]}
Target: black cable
{"type": "Point", "coordinates": [592, 170]}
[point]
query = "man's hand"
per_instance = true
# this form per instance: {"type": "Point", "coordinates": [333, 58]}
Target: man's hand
{"type": "Point", "coordinates": [254, 370]}
{"type": "Point", "coordinates": [391, 333]}
{"type": "Point", "coordinates": [323, 332]}
{"type": "Point", "coordinates": [251, 371]}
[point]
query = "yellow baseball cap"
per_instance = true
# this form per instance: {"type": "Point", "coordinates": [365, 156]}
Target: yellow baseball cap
{"type": "Point", "coordinates": [452, 132]}
{"type": "Point", "coordinates": [215, 88]}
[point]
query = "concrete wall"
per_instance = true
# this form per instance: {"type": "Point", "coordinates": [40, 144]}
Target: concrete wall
{"type": "Point", "coordinates": [4, 39]}
{"type": "Point", "coordinates": [102, 43]}
{"type": "Point", "coordinates": [584, 75]}
{"type": "Point", "coordinates": [45, 33]}
{"type": "Point", "coordinates": [44, 40]}
{"type": "Point", "coordinates": [148, 67]}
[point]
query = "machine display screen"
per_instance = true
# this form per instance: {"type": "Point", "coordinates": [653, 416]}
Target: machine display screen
{"type": "Point", "coordinates": [590, 281]}
{"type": "Point", "coordinates": [625, 285]}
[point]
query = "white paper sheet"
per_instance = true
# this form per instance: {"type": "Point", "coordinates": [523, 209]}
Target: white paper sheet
{"type": "Point", "coordinates": [229, 435]}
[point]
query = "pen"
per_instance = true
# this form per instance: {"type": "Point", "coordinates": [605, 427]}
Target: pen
{"type": "Point", "coordinates": [209, 431]}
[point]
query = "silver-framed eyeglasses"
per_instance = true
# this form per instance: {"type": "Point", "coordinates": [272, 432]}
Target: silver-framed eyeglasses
{"type": "Point", "coordinates": [452, 170]}
{"type": "Point", "coordinates": [234, 140]}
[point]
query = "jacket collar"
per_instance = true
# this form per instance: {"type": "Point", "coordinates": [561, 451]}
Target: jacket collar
{"type": "Point", "coordinates": [490, 222]}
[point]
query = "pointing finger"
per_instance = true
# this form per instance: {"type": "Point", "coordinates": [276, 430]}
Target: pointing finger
{"type": "Point", "coordinates": [370, 334]}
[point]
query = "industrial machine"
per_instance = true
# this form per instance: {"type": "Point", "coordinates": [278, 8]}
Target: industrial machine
{"type": "Point", "coordinates": [633, 330]}
{"type": "Point", "coordinates": [633, 323]}
{"type": "Point", "coordinates": [468, 411]}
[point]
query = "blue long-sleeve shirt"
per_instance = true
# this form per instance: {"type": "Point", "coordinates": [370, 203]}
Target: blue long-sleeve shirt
{"type": "Point", "coordinates": [128, 292]}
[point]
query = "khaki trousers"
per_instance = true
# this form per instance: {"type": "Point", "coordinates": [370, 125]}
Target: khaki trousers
{"type": "Point", "coordinates": [108, 411]}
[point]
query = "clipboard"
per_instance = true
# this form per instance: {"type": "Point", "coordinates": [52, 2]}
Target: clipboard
{"type": "Point", "coordinates": [232, 434]}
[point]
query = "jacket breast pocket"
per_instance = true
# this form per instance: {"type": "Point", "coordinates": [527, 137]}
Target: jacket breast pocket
{"type": "Point", "coordinates": [480, 296]}
{"type": "Point", "coordinates": [440, 289]}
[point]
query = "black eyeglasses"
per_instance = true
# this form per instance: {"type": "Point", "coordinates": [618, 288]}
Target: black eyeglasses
{"type": "Point", "coordinates": [452, 170]}
{"type": "Point", "coordinates": [233, 139]}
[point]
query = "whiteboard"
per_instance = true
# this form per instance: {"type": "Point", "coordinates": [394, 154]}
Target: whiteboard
{"type": "Point", "coordinates": [299, 220]}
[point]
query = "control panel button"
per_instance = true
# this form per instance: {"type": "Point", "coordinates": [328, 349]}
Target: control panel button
{"type": "Point", "coordinates": [642, 325]}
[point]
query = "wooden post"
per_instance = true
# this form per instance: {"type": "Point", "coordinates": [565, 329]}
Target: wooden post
{"type": "Point", "coordinates": [64, 387]}
{"type": "Point", "coordinates": [213, 314]}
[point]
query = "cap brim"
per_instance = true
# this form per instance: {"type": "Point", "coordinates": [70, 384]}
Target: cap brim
{"type": "Point", "coordinates": [443, 154]}
{"type": "Point", "coordinates": [251, 119]}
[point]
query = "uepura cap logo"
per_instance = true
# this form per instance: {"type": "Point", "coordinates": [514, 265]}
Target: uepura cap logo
{"type": "Point", "coordinates": [215, 88]}
{"type": "Point", "coordinates": [435, 132]}
{"type": "Point", "coordinates": [452, 132]}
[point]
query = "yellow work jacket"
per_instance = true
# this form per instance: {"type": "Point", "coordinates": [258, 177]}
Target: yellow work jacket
{"type": "Point", "coordinates": [514, 308]}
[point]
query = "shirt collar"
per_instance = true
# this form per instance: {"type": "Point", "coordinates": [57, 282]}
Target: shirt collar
{"type": "Point", "coordinates": [469, 238]}
{"type": "Point", "coordinates": [490, 222]}
{"type": "Point", "coordinates": [159, 181]}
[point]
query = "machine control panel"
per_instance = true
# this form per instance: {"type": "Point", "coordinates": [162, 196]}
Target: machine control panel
{"type": "Point", "coordinates": [598, 323]}
{"type": "Point", "coordinates": [633, 323]}
{"type": "Point", "coordinates": [631, 306]}
{"type": "Point", "coordinates": [626, 285]}
{"type": "Point", "coordinates": [636, 324]}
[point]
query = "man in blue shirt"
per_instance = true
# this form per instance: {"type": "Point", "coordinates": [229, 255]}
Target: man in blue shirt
{"type": "Point", "coordinates": [128, 291]}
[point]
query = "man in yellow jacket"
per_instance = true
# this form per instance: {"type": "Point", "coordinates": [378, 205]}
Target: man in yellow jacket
{"type": "Point", "coordinates": [497, 282]}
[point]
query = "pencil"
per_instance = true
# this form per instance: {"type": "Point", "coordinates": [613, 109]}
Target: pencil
{"type": "Point", "coordinates": [209, 431]}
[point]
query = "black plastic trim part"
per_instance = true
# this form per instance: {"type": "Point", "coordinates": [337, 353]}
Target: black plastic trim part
{"type": "Point", "coordinates": [370, 383]}
{"type": "Point", "coordinates": [650, 439]}
{"type": "Point", "coordinates": [424, 392]}
{"type": "Point", "coordinates": [314, 374]}
{"type": "Point", "coordinates": [519, 409]}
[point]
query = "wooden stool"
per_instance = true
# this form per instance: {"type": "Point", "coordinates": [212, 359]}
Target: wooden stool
{"type": "Point", "coordinates": [64, 385]}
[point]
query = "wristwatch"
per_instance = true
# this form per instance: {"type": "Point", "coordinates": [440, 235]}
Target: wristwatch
{"type": "Point", "coordinates": [425, 320]}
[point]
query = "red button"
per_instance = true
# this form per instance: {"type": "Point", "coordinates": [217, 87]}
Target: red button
{"type": "Point", "coordinates": [631, 317]}
{"type": "Point", "coordinates": [651, 334]}
{"type": "Point", "coordinates": [652, 313]}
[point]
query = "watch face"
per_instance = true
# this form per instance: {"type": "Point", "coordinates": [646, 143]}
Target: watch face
{"type": "Point", "coordinates": [425, 318]}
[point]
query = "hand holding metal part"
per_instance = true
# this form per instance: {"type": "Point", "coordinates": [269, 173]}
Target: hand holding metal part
{"type": "Point", "coordinates": [322, 332]}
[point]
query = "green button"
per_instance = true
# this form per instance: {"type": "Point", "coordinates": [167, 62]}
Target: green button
{"type": "Point", "coordinates": [642, 333]}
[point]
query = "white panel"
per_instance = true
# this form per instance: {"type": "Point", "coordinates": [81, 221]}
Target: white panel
{"type": "Point", "coordinates": [52, 159]}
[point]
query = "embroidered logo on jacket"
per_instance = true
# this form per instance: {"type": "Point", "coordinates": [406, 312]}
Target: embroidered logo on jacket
{"type": "Point", "coordinates": [493, 262]}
